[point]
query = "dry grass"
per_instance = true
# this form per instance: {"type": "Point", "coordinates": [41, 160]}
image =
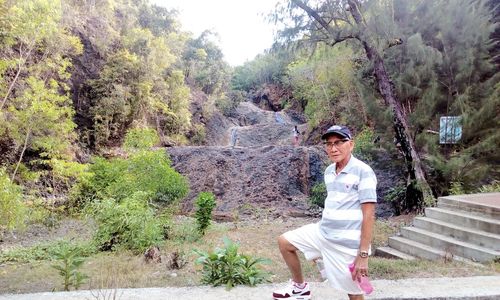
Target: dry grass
{"type": "Point", "coordinates": [257, 238]}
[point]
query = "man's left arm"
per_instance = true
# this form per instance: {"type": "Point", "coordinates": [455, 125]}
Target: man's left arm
{"type": "Point", "coordinates": [361, 263]}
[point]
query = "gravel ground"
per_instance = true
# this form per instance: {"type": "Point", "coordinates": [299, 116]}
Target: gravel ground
{"type": "Point", "coordinates": [444, 288]}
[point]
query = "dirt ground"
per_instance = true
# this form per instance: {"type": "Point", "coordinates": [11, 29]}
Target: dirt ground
{"type": "Point", "coordinates": [256, 237]}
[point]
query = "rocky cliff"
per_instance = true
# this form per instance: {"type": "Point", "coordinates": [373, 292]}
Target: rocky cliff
{"type": "Point", "coordinates": [252, 166]}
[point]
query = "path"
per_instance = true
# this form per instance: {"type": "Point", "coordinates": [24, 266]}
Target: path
{"type": "Point", "coordinates": [465, 288]}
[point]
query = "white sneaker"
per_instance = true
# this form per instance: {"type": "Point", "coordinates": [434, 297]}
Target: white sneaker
{"type": "Point", "coordinates": [292, 291]}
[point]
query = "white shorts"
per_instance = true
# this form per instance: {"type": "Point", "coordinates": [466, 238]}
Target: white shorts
{"type": "Point", "coordinates": [308, 240]}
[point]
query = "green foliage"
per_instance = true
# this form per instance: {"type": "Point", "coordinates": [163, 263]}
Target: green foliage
{"type": "Point", "coordinates": [396, 196]}
{"type": "Point", "coordinates": [204, 65]}
{"type": "Point", "coordinates": [265, 68]}
{"type": "Point", "coordinates": [364, 144]}
{"type": "Point", "coordinates": [318, 194]}
{"type": "Point", "coordinates": [324, 82]}
{"type": "Point", "coordinates": [144, 171]}
{"type": "Point", "coordinates": [35, 110]}
{"type": "Point", "coordinates": [45, 251]}
{"type": "Point", "coordinates": [70, 262]}
{"type": "Point", "coordinates": [457, 188]}
{"type": "Point", "coordinates": [130, 224]}
{"type": "Point", "coordinates": [141, 138]}
{"type": "Point", "coordinates": [205, 204]}
{"type": "Point", "coordinates": [199, 134]}
{"type": "Point", "coordinates": [227, 266]}
{"type": "Point", "coordinates": [12, 208]}
{"type": "Point", "coordinates": [493, 187]}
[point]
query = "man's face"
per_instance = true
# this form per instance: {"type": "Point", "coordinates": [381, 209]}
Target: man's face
{"type": "Point", "coordinates": [338, 148]}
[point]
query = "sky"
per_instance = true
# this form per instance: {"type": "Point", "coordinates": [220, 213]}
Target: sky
{"type": "Point", "coordinates": [241, 26]}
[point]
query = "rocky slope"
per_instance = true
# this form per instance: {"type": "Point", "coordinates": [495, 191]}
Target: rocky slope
{"type": "Point", "coordinates": [264, 172]}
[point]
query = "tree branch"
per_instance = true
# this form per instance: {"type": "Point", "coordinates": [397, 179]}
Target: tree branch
{"type": "Point", "coordinates": [332, 33]}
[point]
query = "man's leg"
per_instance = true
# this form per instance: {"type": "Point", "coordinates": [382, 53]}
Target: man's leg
{"type": "Point", "coordinates": [356, 297]}
{"type": "Point", "coordinates": [289, 253]}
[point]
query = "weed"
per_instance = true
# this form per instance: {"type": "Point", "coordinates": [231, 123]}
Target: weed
{"type": "Point", "coordinates": [70, 262]}
{"type": "Point", "coordinates": [227, 266]}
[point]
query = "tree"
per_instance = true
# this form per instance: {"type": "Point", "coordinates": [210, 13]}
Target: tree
{"type": "Point", "coordinates": [333, 22]}
{"type": "Point", "coordinates": [35, 111]}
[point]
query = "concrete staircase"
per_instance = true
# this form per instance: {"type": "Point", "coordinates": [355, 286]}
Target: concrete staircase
{"type": "Point", "coordinates": [462, 227]}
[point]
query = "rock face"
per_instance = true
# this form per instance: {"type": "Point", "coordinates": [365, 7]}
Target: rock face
{"type": "Point", "coordinates": [262, 172]}
{"type": "Point", "coordinates": [276, 179]}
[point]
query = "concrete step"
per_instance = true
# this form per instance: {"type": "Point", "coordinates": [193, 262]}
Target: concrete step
{"type": "Point", "coordinates": [389, 252]}
{"type": "Point", "coordinates": [417, 249]}
{"type": "Point", "coordinates": [449, 245]}
{"type": "Point", "coordinates": [487, 204]}
{"type": "Point", "coordinates": [464, 219]}
{"type": "Point", "coordinates": [476, 237]}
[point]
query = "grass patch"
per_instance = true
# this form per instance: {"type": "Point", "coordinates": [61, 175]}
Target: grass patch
{"type": "Point", "coordinates": [384, 268]}
{"type": "Point", "coordinates": [44, 251]}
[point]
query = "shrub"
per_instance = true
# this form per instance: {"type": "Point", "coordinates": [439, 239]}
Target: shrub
{"type": "Point", "coordinates": [397, 196]}
{"type": "Point", "coordinates": [457, 188]}
{"type": "Point", "coordinates": [205, 204]}
{"type": "Point", "coordinates": [318, 194]}
{"type": "Point", "coordinates": [227, 266]}
{"type": "Point", "coordinates": [490, 188]}
{"type": "Point", "coordinates": [71, 260]}
{"type": "Point", "coordinates": [12, 209]}
{"type": "Point", "coordinates": [364, 144]}
{"type": "Point", "coordinates": [130, 224]}
{"type": "Point", "coordinates": [146, 171]}
{"type": "Point", "coordinates": [140, 138]}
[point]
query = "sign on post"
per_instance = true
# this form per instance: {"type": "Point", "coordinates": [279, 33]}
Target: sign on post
{"type": "Point", "coordinates": [450, 130]}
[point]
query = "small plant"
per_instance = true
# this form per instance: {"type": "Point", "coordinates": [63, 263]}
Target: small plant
{"type": "Point", "coordinates": [71, 261]}
{"type": "Point", "coordinates": [457, 188]}
{"type": "Point", "coordinates": [205, 204]}
{"type": "Point", "coordinates": [396, 196]}
{"type": "Point", "coordinates": [318, 194]}
{"type": "Point", "coordinates": [177, 260]}
{"type": "Point", "coordinates": [227, 266]}
{"type": "Point", "coordinates": [490, 188]}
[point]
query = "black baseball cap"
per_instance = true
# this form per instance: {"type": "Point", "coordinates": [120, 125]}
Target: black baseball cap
{"type": "Point", "coordinates": [340, 130]}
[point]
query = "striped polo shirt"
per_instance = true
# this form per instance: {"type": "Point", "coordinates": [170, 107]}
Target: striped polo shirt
{"type": "Point", "coordinates": [342, 215]}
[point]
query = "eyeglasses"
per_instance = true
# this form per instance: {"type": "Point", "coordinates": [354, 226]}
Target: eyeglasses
{"type": "Point", "coordinates": [335, 144]}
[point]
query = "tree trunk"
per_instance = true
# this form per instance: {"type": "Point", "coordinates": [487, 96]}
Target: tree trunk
{"type": "Point", "coordinates": [22, 153]}
{"type": "Point", "coordinates": [418, 192]}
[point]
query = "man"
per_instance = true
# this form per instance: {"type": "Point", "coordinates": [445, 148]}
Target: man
{"type": "Point", "coordinates": [344, 233]}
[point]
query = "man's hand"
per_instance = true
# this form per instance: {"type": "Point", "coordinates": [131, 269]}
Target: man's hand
{"type": "Point", "coordinates": [360, 268]}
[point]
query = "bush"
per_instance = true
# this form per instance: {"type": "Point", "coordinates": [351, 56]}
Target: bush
{"type": "Point", "coordinates": [227, 266]}
{"type": "Point", "coordinates": [146, 171]}
{"type": "Point", "coordinates": [205, 204]}
{"type": "Point", "coordinates": [140, 138]}
{"type": "Point", "coordinates": [12, 209]}
{"type": "Point", "coordinates": [397, 196]}
{"type": "Point", "coordinates": [364, 144]}
{"type": "Point", "coordinates": [318, 194]}
{"type": "Point", "coordinates": [130, 224]}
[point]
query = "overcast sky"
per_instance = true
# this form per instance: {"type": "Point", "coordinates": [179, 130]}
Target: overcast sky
{"type": "Point", "coordinates": [241, 26]}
